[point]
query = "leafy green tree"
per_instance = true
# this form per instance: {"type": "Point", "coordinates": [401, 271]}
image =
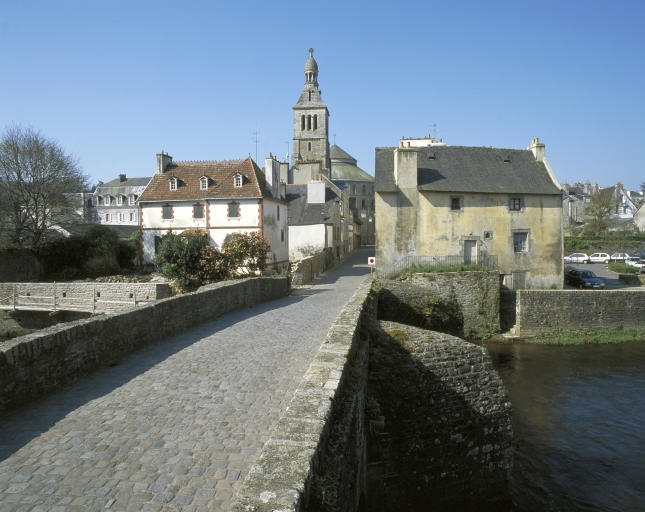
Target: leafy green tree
{"type": "Point", "coordinates": [598, 211]}
{"type": "Point", "coordinates": [35, 175]}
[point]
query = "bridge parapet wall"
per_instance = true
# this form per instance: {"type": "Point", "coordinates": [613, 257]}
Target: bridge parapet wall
{"type": "Point", "coordinates": [37, 363]}
{"type": "Point", "coordinates": [546, 311]}
{"type": "Point", "coordinates": [315, 458]}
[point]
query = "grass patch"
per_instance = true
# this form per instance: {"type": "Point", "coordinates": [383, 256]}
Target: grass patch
{"type": "Point", "coordinates": [621, 268]}
{"type": "Point", "coordinates": [587, 336]}
{"type": "Point", "coordinates": [398, 335]}
{"type": "Point", "coordinates": [402, 275]}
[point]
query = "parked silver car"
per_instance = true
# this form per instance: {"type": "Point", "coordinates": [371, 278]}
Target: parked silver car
{"type": "Point", "coordinates": [599, 257]}
{"type": "Point", "coordinates": [619, 256]}
{"type": "Point", "coordinates": [577, 257]}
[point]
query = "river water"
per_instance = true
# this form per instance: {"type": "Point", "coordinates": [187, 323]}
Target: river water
{"type": "Point", "coordinates": [579, 425]}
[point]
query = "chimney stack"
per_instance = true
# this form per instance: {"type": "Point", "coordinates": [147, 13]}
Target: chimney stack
{"type": "Point", "coordinates": [538, 149]}
{"type": "Point", "coordinates": [163, 161]}
{"type": "Point", "coordinates": [122, 178]}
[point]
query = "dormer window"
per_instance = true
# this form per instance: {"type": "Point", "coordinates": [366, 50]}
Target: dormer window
{"type": "Point", "coordinates": [119, 200]}
{"type": "Point", "coordinates": [203, 183]}
{"type": "Point", "coordinates": [107, 200]}
{"type": "Point", "coordinates": [238, 180]}
{"type": "Point", "coordinates": [95, 201]}
{"type": "Point", "coordinates": [173, 183]}
{"type": "Point", "coordinates": [131, 199]}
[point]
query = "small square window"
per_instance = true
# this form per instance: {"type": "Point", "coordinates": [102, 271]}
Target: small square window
{"type": "Point", "coordinates": [166, 211]}
{"type": "Point", "coordinates": [455, 203]}
{"type": "Point", "coordinates": [521, 241]}
{"type": "Point", "coordinates": [233, 209]}
{"type": "Point", "coordinates": [488, 235]}
{"type": "Point", "coordinates": [515, 204]}
{"type": "Point", "coordinates": [198, 211]}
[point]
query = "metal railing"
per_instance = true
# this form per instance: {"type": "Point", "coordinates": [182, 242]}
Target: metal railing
{"type": "Point", "coordinates": [487, 261]}
{"type": "Point", "coordinates": [59, 302]}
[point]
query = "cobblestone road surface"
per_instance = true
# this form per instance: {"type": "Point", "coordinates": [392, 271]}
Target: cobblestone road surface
{"type": "Point", "coordinates": [174, 426]}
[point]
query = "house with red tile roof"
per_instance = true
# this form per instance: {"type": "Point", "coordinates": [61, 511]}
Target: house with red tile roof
{"type": "Point", "coordinates": [218, 197]}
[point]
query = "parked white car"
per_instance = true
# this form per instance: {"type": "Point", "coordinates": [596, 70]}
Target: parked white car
{"type": "Point", "coordinates": [636, 262]}
{"type": "Point", "coordinates": [619, 256]}
{"type": "Point", "coordinates": [599, 257]}
{"type": "Point", "coordinates": [577, 257]}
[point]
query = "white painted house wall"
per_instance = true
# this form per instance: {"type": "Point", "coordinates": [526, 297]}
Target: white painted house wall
{"type": "Point", "coordinates": [306, 240]}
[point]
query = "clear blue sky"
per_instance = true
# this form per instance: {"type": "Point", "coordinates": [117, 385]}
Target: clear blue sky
{"type": "Point", "coordinates": [115, 82]}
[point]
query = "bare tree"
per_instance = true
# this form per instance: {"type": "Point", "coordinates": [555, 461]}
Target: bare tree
{"type": "Point", "coordinates": [598, 210]}
{"type": "Point", "coordinates": [35, 174]}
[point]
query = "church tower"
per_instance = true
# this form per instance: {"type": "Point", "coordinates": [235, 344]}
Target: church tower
{"type": "Point", "coordinates": [311, 123]}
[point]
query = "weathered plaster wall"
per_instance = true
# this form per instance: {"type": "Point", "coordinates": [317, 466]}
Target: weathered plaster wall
{"type": "Point", "coordinates": [544, 311]}
{"type": "Point", "coordinates": [412, 222]}
{"type": "Point", "coordinates": [34, 364]}
{"type": "Point", "coordinates": [440, 423]}
{"type": "Point", "coordinates": [461, 303]}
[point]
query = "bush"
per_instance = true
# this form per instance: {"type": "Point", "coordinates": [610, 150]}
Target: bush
{"type": "Point", "coordinates": [214, 265]}
{"type": "Point", "coordinates": [247, 252]}
{"type": "Point", "coordinates": [179, 257]}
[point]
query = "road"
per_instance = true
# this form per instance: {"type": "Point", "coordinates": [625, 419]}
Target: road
{"type": "Point", "coordinates": [601, 270]}
{"type": "Point", "coordinates": [176, 425]}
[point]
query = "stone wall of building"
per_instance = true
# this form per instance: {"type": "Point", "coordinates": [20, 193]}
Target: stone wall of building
{"type": "Point", "coordinates": [315, 458]}
{"type": "Point", "coordinates": [34, 364]}
{"type": "Point", "coordinates": [440, 423]}
{"type": "Point", "coordinates": [19, 265]}
{"type": "Point", "coordinates": [85, 296]}
{"type": "Point", "coordinates": [545, 311]}
{"type": "Point", "coordinates": [465, 304]}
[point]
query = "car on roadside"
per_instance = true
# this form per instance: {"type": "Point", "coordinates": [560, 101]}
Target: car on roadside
{"type": "Point", "coordinates": [599, 257]}
{"type": "Point", "coordinates": [577, 257]}
{"type": "Point", "coordinates": [583, 279]}
{"type": "Point", "coordinates": [619, 256]}
{"type": "Point", "coordinates": [639, 254]}
{"type": "Point", "coordinates": [636, 262]}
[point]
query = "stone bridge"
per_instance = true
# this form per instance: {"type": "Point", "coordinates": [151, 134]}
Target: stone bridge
{"type": "Point", "coordinates": [201, 403]}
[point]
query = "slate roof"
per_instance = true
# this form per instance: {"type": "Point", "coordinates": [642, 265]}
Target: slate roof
{"type": "Point", "coordinates": [344, 168]}
{"type": "Point", "coordinates": [303, 214]}
{"type": "Point", "coordinates": [221, 181]}
{"type": "Point", "coordinates": [470, 169]}
{"type": "Point", "coordinates": [117, 187]}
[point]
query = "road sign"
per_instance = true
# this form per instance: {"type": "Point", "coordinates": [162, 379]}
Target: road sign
{"type": "Point", "coordinates": [371, 261]}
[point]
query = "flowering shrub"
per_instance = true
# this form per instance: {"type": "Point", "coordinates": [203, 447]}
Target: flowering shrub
{"type": "Point", "coordinates": [247, 252]}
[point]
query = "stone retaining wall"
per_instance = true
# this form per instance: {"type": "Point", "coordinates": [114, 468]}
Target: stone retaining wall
{"type": "Point", "coordinates": [34, 364]}
{"type": "Point", "coordinates": [315, 458]}
{"type": "Point", "coordinates": [545, 311]}
{"type": "Point", "coordinates": [307, 269]}
{"type": "Point", "coordinates": [441, 432]}
{"type": "Point", "coordinates": [465, 304]}
{"type": "Point", "coordinates": [632, 279]}
{"type": "Point", "coordinates": [103, 297]}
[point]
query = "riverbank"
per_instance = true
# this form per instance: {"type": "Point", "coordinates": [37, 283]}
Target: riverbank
{"type": "Point", "coordinates": [577, 337]}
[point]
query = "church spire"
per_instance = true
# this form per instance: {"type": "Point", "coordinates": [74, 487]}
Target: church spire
{"type": "Point", "coordinates": [311, 69]}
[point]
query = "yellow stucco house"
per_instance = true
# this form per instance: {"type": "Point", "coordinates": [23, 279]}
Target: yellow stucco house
{"type": "Point", "coordinates": [439, 200]}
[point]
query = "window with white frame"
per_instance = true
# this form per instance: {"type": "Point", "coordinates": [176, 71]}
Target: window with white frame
{"type": "Point", "coordinates": [131, 199]}
{"type": "Point", "coordinates": [107, 217]}
{"type": "Point", "coordinates": [119, 200]}
{"type": "Point", "coordinates": [107, 200]}
{"type": "Point", "coordinates": [121, 217]}
{"type": "Point", "coordinates": [238, 180]}
{"type": "Point", "coordinates": [203, 183]}
{"type": "Point", "coordinates": [173, 183]}
{"type": "Point", "coordinates": [521, 241]}
{"type": "Point", "coordinates": [133, 217]}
